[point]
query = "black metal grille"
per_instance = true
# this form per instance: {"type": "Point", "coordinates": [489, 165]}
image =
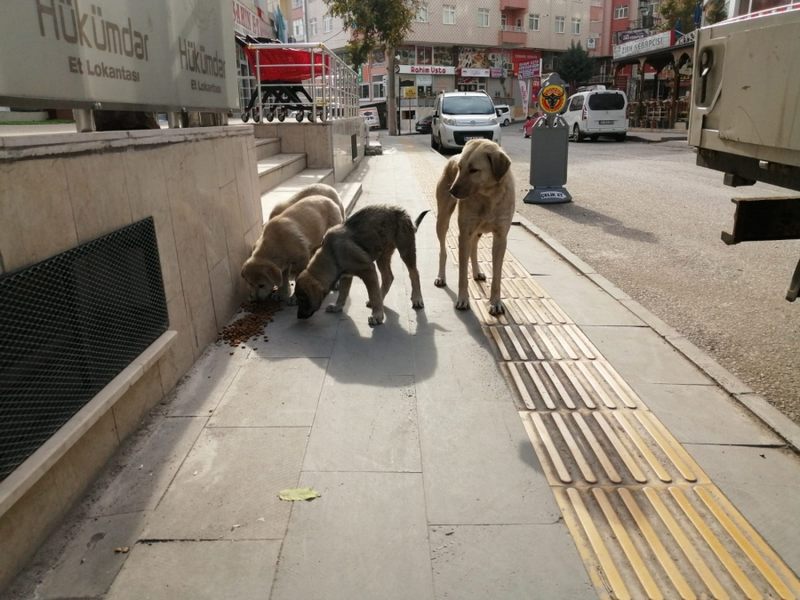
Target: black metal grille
{"type": "Point", "coordinates": [68, 326]}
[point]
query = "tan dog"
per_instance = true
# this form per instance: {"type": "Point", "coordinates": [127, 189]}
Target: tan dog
{"type": "Point", "coordinates": [315, 189]}
{"type": "Point", "coordinates": [368, 237]}
{"type": "Point", "coordinates": [287, 242]}
{"type": "Point", "coordinates": [480, 182]}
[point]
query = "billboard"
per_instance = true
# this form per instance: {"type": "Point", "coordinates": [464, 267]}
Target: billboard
{"type": "Point", "coordinates": [145, 54]}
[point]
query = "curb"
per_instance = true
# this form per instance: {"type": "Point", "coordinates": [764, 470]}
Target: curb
{"type": "Point", "coordinates": [757, 405]}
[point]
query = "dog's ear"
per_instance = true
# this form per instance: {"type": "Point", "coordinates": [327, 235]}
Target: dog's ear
{"type": "Point", "coordinates": [499, 161]}
{"type": "Point", "coordinates": [272, 272]}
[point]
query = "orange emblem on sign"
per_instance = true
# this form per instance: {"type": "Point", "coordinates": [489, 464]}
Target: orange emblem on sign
{"type": "Point", "coordinates": [552, 98]}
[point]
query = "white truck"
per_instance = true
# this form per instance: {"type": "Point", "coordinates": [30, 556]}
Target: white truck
{"type": "Point", "coordinates": [745, 114]}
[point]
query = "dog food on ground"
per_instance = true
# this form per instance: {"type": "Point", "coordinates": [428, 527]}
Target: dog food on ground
{"type": "Point", "coordinates": [251, 324]}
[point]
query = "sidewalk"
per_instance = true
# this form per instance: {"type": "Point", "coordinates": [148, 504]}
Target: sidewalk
{"type": "Point", "coordinates": [565, 451]}
{"type": "Point", "coordinates": [641, 134]}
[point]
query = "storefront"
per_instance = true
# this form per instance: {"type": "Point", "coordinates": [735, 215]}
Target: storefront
{"type": "Point", "coordinates": [247, 22]}
{"type": "Point", "coordinates": [657, 72]}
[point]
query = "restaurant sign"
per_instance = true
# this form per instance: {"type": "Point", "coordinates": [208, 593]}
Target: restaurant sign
{"type": "Point", "coordinates": [147, 54]}
{"type": "Point", "coordinates": [644, 45]}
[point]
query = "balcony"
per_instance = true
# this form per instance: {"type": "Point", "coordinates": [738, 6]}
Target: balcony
{"type": "Point", "coordinates": [513, 5]}
{"type": "Point", "coordinates": [513, 35]}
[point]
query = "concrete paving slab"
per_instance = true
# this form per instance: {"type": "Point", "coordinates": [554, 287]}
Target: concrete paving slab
{"type": "Point", "coordinates": [507, 561]}
{"type": "Point", "coordinates": [200, 390]}
{"type": "Point", "coordinates": [762, 483]}
{"type": "Point", "coordinates": [281, 392]}
{"type": "Point", "coordinates": [290, 337]}
{"type": "Point", "coordinates": [88, 565]}
{"type": "Point", "coordinates": [479, 466]}
{"type": "Point", "coordinates": [197, 570]}
{"type": "Point", "coordinates": [641, 356]}
{"type": "Point", "coordinates": [366, 537]}
{"type": "Point", "coordinates": [366, 428]}
{"type": "Point", "coordinates": [576, 295]}
{"type": "Point", "coordinates": [704, 414]}
{"type": "Point", "coordinates": [228, 486]}
{"type": "Point", "coordinates": [147, 465]}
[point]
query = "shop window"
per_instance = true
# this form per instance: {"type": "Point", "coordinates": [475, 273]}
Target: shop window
{"type": "Point", "coordinates": [424, 55]}
{"type": "Point", "coordinates": [407, 55]}
{"type": "Point", "coordinates": [443, 56]}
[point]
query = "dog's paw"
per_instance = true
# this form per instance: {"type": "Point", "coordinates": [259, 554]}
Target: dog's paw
{"type": "Point", "coordinates": [417, 304]}
{"type": "Point", "coordinates": [497, 308]}
{"type": "Point", "coordinates": [333, 308]}
{"type": "Point", "coordinates": [479, 276]}
{"type": "Point", "coordinates": [462, 303]}
{"type": "Point", "coordinates": [440, 282]}
{"type": "Point", "coordinates": [375, 320]}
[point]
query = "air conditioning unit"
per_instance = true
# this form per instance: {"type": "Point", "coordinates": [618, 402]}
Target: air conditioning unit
{"type": "Point", "coordinates": [591, 43]}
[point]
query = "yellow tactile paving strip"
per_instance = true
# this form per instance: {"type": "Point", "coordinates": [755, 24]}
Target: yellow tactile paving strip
{"type": "Point", "coordinates": [648, 522]}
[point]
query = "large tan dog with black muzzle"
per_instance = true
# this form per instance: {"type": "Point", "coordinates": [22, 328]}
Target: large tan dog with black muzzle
{"type": "Point", "coordinates": [479, 181]}
{"type": "Point", "coordinates": [289, 239]}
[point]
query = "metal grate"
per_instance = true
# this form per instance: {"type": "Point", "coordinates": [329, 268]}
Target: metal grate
{"type": "Point", "coordinates": [68, 326]}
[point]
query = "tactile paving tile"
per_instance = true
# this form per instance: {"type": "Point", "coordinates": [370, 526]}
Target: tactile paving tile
{"type": "Point", "coordinates": [646, 519]}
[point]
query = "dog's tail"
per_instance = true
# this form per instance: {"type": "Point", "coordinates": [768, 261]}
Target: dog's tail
{"type": "Point", "coordinates": [418, 220]}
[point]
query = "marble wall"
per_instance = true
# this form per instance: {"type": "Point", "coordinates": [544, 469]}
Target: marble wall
{"type": "Point", "coordinates": [58, 191]}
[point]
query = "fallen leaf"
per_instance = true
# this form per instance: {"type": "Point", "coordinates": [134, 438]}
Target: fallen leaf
{"type": "Point", "coordinates": [294, 494]}
{"type": "Point", "coordinates": [122, 550]}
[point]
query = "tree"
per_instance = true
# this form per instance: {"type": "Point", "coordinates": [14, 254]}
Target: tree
{"type": "Point", "coordinates": [377, 24]}
{"type": "Point", "coordinates": [575, 65]}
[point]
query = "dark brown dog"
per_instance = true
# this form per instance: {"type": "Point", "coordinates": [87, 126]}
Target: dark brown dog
{"type": "Point", "coordinates": [480, 182]}
{"type": "Point", "coordinates": [368, 237]}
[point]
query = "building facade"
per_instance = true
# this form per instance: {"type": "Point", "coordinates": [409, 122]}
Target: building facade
{"type": "Point", "coordinates": [500, 46]}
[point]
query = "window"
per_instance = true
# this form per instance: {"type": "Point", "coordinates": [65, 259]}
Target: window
{"type": "Point", "coordinates": [449, 14]}
{"type": "Point", "coordinates": [312, 26]}
{"type": "Point", "coordinates": [422, 13]}
{"type": "Point", "coordinates": [607, 101]}
{"type": "Point", "coordinates": [533, 22]}
{"type": "Point", "coordinates": [503, 21]}
{"type": "Point", "coordinates": [576, 26]}
{"type": "Point", "coordinates": [621, 12]}
{"type": "Point", "coordinates": [378, 87]}
{"type": "Point", "coordinates": [297, 29]}
{"type": "Point", "coordinates": [424, 55]}
{"type": "Point", "coordinates": [576, 104]}
{"type": "Point", "coordinates": [363, 91]}
{"type": "Point", "coordinates": [560, 21]}
{"type": "Point", "coordinates": [327, 24]}
{"type": "Point", "coordinates": [483, 17]}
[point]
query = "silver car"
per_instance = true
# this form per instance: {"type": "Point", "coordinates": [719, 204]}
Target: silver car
{"type": "Point", "coordinates": [461, 116]}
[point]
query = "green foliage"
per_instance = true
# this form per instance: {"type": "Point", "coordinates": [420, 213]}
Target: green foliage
{"type": "Point", "coordinates": [673, 11]}
{"type": "Point", "coordinates": [374, 23]}
{"type": "Point", "coordinates": [575, 66]}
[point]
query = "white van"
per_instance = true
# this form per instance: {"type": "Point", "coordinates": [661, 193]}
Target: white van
{"type": "Point", "coordinates": [462, 116]}
{"type": "Point", "coordinates": [595, 113]}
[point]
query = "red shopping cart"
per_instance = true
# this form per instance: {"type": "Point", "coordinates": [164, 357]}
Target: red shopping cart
{"type": "Point", "coordinates": [282, 75]}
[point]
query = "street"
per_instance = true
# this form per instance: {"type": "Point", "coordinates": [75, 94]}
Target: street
{"type": "Point", "coordinates": [649, 220]}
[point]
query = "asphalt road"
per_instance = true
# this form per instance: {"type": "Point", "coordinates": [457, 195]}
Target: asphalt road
{"type": "Point", "coordinates": [649, 220]}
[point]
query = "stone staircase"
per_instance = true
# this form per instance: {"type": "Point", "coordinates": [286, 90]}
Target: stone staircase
{"type": "Point", "coordinates": [280, 175]}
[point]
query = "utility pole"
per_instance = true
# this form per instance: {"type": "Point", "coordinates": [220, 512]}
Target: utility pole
{"type": "Point", "coordinates": [391, 108]}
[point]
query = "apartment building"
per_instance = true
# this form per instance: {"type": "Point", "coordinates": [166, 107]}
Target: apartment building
{"type": "Point", "coordinates": [490, 45]}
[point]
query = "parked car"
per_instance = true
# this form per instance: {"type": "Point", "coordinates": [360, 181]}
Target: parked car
{"type": "Point", "coordinates": [462, 116]}
{"type": "Point", "coordinates": [370, 117]}
{"type": "Point", "coordinates": [503, 112]}
{"type": "Point", "coordinates": [595, 113]}
{"type": "Point", "coordinates": [424, 124]}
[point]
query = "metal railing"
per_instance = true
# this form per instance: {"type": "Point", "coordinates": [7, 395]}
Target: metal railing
{"type": "Point", "coordinates": [299, 80]}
